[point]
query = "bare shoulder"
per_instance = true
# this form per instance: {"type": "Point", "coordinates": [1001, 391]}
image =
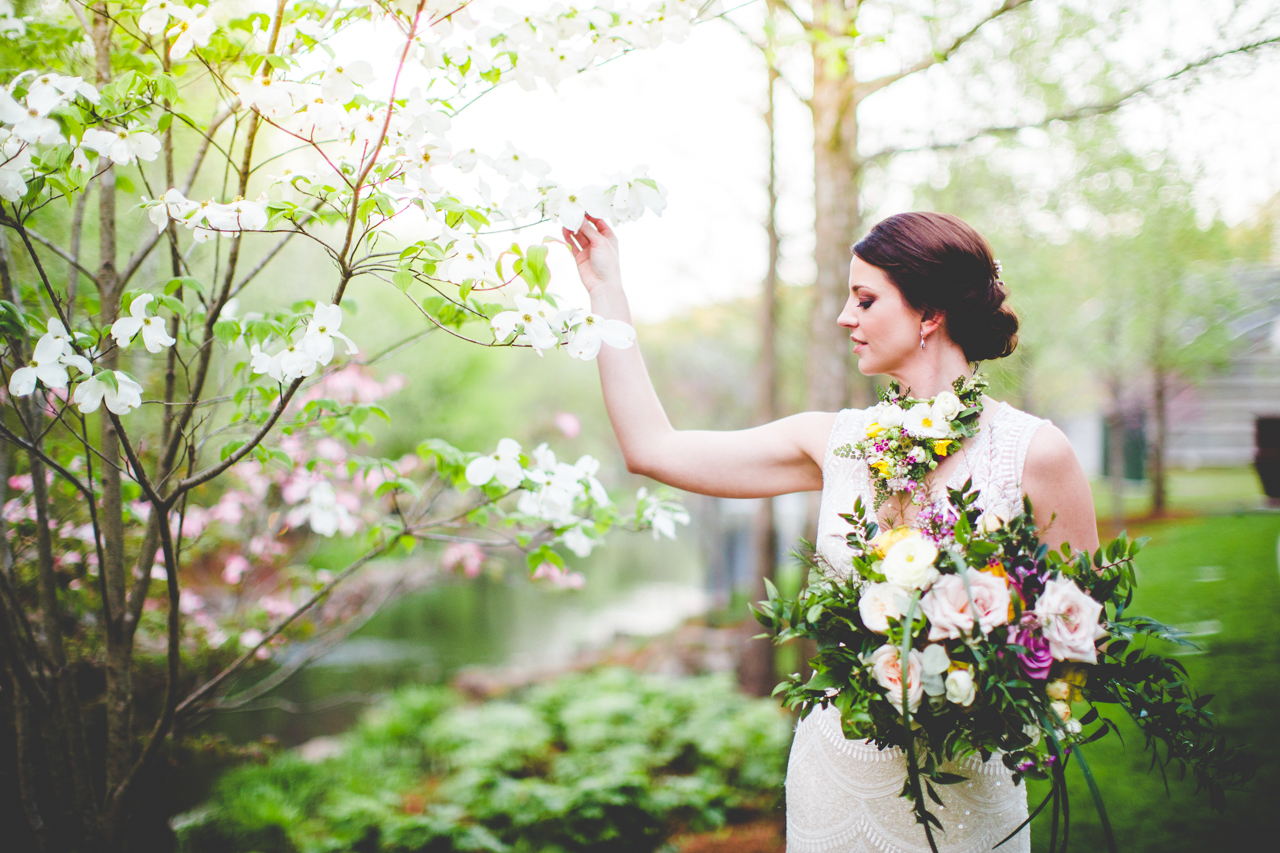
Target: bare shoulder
{"type": "Point", "coordinates": [811, 432]}
{"type": "Point", "coordinates": [1050, 454]}
{"type": "Point", "coordinates": [1056, 483]}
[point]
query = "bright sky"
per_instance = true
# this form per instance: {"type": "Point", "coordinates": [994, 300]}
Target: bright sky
{"type": "Point", "coordinates": [691, 112]}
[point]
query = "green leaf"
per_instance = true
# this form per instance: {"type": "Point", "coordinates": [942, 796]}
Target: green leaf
{"type": "Point", "coordinates": [402, 279]}
{"type": "Point", "coordinates": [226, 331]}
{"type": "Point", "coordinates": [108, 377]}
{"type": "Point", "coordinates": [173, 284]}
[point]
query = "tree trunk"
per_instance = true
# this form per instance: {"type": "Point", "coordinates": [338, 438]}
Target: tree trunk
{"type": "Point", "coordinates": [1160, 402]}
{"type": "Point", "coordinates": [837, 217]}
{"type": "Point", "coordinates": [119, 634]}
{"type": "Point", "coordinates": [757, 672]}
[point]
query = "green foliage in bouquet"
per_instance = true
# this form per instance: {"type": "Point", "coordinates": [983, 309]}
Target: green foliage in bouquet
{"type": "Point", "coordinates": [1000, 634]}
{"type": "Point", "coordinates": [609, 760]}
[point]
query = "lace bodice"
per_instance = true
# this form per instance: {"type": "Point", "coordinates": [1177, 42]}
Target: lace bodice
{"type": "Point", "coordinates": [842, 795]}
{"type": "Point", "coordinates": [993, 459]}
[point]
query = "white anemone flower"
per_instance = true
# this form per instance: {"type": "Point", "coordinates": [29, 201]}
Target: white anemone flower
{"type": "Point", "coordinates": [192, 33]}
{"type": "Point", "coordinates": [532, 319]}
{"type": "Point", "coordinates": [592, 330]}
{"type": "Point", "coordinates": [122, 146]}
{"type": "Point", "coordinates": [503, 465]}
{"type": "Point", "coordinates": [921, 422]}
{"type": "Point", "coordinates": [340, 80]}
{"type": "Point", "coordinates": [122, 399]}
{"type": "Point", "coordinates": [154, 334]}
{"type": "Point", "coordinates": [322, 328]}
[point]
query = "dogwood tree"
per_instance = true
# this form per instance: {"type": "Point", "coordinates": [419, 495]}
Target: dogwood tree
{"type": "Point", "coordinates": [165, 448]}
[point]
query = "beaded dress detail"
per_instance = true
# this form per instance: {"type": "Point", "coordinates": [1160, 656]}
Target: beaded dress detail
{"type": "Point", "coordinates": [843, 795]}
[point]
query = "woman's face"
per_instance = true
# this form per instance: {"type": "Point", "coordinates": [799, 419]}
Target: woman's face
{"type": "Point", "coordinates": [885, 330]}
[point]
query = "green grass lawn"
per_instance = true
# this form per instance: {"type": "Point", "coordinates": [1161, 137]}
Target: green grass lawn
{"type": "Point", "coordinates": [1217, 576]}
{"type": "Point", "coordinates": [1201, 490]}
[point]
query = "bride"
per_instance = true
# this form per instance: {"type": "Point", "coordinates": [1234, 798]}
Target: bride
{"type": "Point", "coordinates": [925, 302]}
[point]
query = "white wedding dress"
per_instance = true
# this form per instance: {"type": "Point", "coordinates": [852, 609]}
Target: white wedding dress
{"type": "Point", "coordinates": [843, 795]}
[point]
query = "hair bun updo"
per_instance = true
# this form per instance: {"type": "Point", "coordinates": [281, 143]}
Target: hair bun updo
{"type": "Point", "coordinates": [942, 265]}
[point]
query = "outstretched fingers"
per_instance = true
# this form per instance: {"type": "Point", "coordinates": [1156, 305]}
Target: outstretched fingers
{"type": "Point", "coordinates": [569, 238]}
{"type": "Point", "coordinates": [601, 226]}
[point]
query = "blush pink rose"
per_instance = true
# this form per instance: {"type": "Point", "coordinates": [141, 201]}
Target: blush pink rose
{"type": "Point", "coordinates": [947, 605]}
{"type": "Point", "coordinates": [1070, 620]}
{"type": "Point", "coordinates": [887, 670]}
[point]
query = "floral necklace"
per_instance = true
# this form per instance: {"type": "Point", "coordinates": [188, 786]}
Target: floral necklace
{"type": "Point", "coordinates": [906, 437]}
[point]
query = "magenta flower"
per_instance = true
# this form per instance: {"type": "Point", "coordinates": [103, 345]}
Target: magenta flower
{"type": "Point", "coordinates": [1036, 660]}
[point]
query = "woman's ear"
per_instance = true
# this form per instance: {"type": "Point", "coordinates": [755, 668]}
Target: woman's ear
{"type": "Point", "coordinates": [930, 322]}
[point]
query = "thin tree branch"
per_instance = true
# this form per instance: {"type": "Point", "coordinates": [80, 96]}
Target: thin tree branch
{"type": "Point", "coordinates": [1086, 111]}
{"type": "Point", "coordinates": [865, 89]}
{"type": "Point", "coordinates": [204, 689]}
{"type": "Point", "coordinates": [56, 249]}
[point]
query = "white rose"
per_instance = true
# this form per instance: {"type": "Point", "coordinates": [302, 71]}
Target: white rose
{"type": "Point", "coordinates": [886, 668]}
{"type": "Point", "coordinates": [909, 563]}
{"type": "Point", "coordinates": [946, 406]}
{"type": "Point", "coordinates": [960, 688]}
{"type": "Point", "coordinates": [883, 417]}
{"type": "Point", "coordinates": [921, 422]}
{"type": "Point", "coordinates": [1062, 709]}
{"type": "Point", "coordinates": [879, 603]}
{"type": "Point", "coordinates": [934, 663]}
{"type": "Point", "coordinates": [1071, 621]}
{"type": "Point", "coordinates": [991, 521]}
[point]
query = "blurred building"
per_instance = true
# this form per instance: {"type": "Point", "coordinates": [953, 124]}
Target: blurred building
{"type": "Point", "coordinates": [1212, 422]}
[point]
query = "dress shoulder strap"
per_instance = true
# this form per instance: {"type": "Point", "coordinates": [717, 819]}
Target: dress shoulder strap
{"type": "Point", "coordinates": [846, 429]}
{"type": "Point", "coordinates": [1000, 463]}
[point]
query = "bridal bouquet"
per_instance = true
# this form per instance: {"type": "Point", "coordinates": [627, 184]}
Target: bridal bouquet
{"type": "Point", "coordinates": [968, 636]}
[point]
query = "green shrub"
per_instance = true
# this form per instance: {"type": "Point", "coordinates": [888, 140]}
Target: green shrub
{"type": "Point", "coordinates": [607, 761]}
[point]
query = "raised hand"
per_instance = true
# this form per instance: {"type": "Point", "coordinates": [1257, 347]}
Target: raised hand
{"type": "Point", "coordinates": [595, 249]}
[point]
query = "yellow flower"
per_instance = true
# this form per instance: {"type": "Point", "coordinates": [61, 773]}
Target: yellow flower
{"type": "Point", "coordinates": [1076, 675]}
{"type": "Point", "coordinates": [943, 447]}
{"type": "Point", "coordinates": [882, 466]}
{"type": "Point", "coordinates": [886, 539]}
{"type": "Point", "coordinates": [874, 429]}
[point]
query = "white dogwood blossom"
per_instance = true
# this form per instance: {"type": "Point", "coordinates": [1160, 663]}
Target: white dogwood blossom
{"type": "Point", "coordinates": [122, 397]}
{"type": "Point", "coordinates": [154, 334]}
{"type": "Point", "coordinates": [341, 79]}
{"type": "Point", "coordinates": [122, 146]}
{"type": "Point", "coordinates": [322, 328]}
{"type": "Point", "coordinates": [49, 362]}
{"type": "Point", "coordinates": [504, 465]}
{"type": "Point", "coordinates": [591, 330]}
{"type": "Point", "coordinates": [190, 33]}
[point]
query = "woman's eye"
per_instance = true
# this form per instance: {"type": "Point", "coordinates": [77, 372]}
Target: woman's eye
{"type": "Point", "coordinates": [865, 304]}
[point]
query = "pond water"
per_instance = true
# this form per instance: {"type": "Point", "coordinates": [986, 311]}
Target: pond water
{"type": "Point", "coordinates": [635, 587]}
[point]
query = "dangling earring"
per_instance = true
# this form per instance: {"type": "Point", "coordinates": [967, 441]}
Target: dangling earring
{"type": "Point", "coordinates": [922, 337]}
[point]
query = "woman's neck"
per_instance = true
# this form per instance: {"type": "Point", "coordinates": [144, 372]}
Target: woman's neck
{"type": "Point", "coordinates": [930, 372]}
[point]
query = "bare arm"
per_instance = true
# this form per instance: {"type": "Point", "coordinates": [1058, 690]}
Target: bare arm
{"type": "Point", "coordinates": [773, 459]}
{"type": "Point", "coordinates": [1059, 491]}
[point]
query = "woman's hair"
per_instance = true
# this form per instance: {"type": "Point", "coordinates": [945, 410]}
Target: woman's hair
{"type": "Point", "coordinates": [943, 266]}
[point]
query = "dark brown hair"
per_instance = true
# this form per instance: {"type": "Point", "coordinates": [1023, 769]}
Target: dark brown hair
{"type": "Point", "coordinates": [943, 266]}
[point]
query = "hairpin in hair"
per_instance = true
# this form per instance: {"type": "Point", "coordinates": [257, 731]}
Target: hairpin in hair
{"type": "Point", "coordinates": [999, 268]}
